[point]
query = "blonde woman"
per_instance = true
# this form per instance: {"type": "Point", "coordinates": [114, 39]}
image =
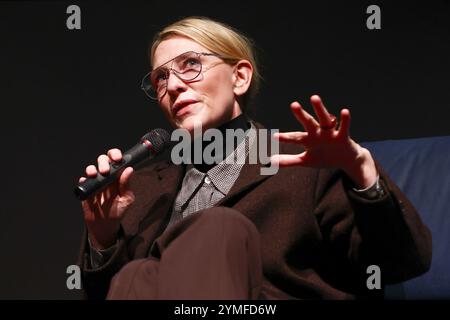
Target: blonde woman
{"type": "Point", "coordinates": [224, 231]}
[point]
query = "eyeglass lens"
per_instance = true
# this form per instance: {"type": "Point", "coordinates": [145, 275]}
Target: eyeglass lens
{"type": "Point", "coordinates": [187, 66]}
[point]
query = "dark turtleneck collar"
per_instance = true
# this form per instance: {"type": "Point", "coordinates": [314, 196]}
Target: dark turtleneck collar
{"type": "Point", "coordinates": [240, 122]}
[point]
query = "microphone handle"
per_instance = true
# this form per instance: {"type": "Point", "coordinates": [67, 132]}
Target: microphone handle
{"type": "Point", "coordinates": [132, 157]}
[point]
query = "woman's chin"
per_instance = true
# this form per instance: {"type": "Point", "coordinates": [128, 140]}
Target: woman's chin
{"type": "Point", "coordinates": [190, 122]}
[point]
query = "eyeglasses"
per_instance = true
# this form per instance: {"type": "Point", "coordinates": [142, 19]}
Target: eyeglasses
{"type": "Point", "coordinates": [187, 67]}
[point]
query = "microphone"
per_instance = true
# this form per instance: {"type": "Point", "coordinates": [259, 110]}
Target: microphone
{"type": "Point", "coordinates": [151, 144]}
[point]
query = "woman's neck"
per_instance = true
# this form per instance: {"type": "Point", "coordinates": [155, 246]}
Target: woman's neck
{"type": "Point", "coordinates": [240, 122]}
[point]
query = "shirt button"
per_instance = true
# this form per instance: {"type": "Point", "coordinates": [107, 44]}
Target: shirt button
{"type": "Point", "coordinates": [207, 180]}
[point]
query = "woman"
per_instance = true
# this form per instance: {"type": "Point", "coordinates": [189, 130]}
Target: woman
{"type": "Point", "coordinates": [224, 231]}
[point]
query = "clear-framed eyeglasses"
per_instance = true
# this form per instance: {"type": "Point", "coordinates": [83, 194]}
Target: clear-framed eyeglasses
{"type": "Point", "coordinates": [187, 67]}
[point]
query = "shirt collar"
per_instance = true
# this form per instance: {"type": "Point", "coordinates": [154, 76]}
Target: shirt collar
{"type": "Point", "coordinates": [225, 173]}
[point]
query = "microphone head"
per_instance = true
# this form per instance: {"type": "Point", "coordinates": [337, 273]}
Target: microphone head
{"type": "Point", "coordinates": [159, 138]}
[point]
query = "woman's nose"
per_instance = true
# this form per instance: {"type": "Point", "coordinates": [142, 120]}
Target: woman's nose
{"type": "Point", "coordinates": [175, 84]}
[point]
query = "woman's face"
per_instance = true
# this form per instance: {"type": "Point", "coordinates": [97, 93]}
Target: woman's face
{"type": "Point", "coordinates": [209, 100]}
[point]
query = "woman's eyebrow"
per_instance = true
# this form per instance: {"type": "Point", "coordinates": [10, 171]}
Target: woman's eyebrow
{"type": "Point", "coordinates": [169, 60]}
{"type": "Point", "coordinates": [173, 59]}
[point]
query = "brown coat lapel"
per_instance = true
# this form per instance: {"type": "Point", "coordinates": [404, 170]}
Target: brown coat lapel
{"type": "Point", "coordinates": [155, 188]}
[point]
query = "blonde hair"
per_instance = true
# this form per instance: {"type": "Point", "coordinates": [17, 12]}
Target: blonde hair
{"type": "Point", "coordinates": [219, 38]}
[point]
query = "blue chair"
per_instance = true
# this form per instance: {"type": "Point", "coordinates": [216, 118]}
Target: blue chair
{"type": "Point", "coordinates": [421, 168]}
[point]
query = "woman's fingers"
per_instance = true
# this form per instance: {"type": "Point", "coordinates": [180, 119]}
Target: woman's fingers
{"type": "Point", "coordinates": [103, 164]}
{"type": "Point", "coordinates": [308, 122]}
{"type": "Point", "coordinates": [286, 160]}
{"type": "Point", "coordinates": [124, 181]}
{"type": "Point", "coordinates": [344, 128]}
{"type": "Point", "coordinates": [91, 171]}
{"type": "Point", "coordinates": [325, 119]}
{"type": "Point", "coordinates": [115, 154]}
{"type": "Point", "coordinates": [291, 137]}
{"type": "Point", "coordinates": [325, 144]}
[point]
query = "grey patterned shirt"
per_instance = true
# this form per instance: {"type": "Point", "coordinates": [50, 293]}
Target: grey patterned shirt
{"type": "Point", "coordinates": [203, 190]}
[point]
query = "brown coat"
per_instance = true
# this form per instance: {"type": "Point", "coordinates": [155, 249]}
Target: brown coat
{"type": "Point", "coordinates": [317, 236]}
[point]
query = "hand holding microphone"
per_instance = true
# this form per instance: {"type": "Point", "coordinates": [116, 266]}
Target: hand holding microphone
{"type": "Point", "coordinates": [105, 189]}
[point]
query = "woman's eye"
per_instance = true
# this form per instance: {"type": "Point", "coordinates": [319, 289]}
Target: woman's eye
{"type": "Point", "coordinates": [159, 77]}
{"type": "Point", "coordinates": [192, 62]}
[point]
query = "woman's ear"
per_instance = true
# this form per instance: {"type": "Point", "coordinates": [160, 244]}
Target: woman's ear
{"type": "Point", "coordinates": [243, 72]}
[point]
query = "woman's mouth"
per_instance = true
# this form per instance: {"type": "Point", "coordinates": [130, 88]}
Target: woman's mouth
{"type": "Point", "coordinates": [183, 108]}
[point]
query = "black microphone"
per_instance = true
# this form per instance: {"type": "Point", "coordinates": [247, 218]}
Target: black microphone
{"type": "Point", "coordinates": [151, 144]}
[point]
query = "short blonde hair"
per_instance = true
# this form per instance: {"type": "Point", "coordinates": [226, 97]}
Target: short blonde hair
{"type": "Point", "coordinates": [219, 38]}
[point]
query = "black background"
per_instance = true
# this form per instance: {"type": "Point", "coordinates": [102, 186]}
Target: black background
{"type": "Point", "coordinates": [68, 95]}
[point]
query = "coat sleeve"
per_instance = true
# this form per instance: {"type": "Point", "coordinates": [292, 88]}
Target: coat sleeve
{"type": "Point", "coordinates": [387, 232]}
{"type": "Point", "coordinates": [96, 281]}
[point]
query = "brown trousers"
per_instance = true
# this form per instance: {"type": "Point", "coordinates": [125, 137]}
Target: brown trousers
{"type": "Point", "coordinates": [212, 254]}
